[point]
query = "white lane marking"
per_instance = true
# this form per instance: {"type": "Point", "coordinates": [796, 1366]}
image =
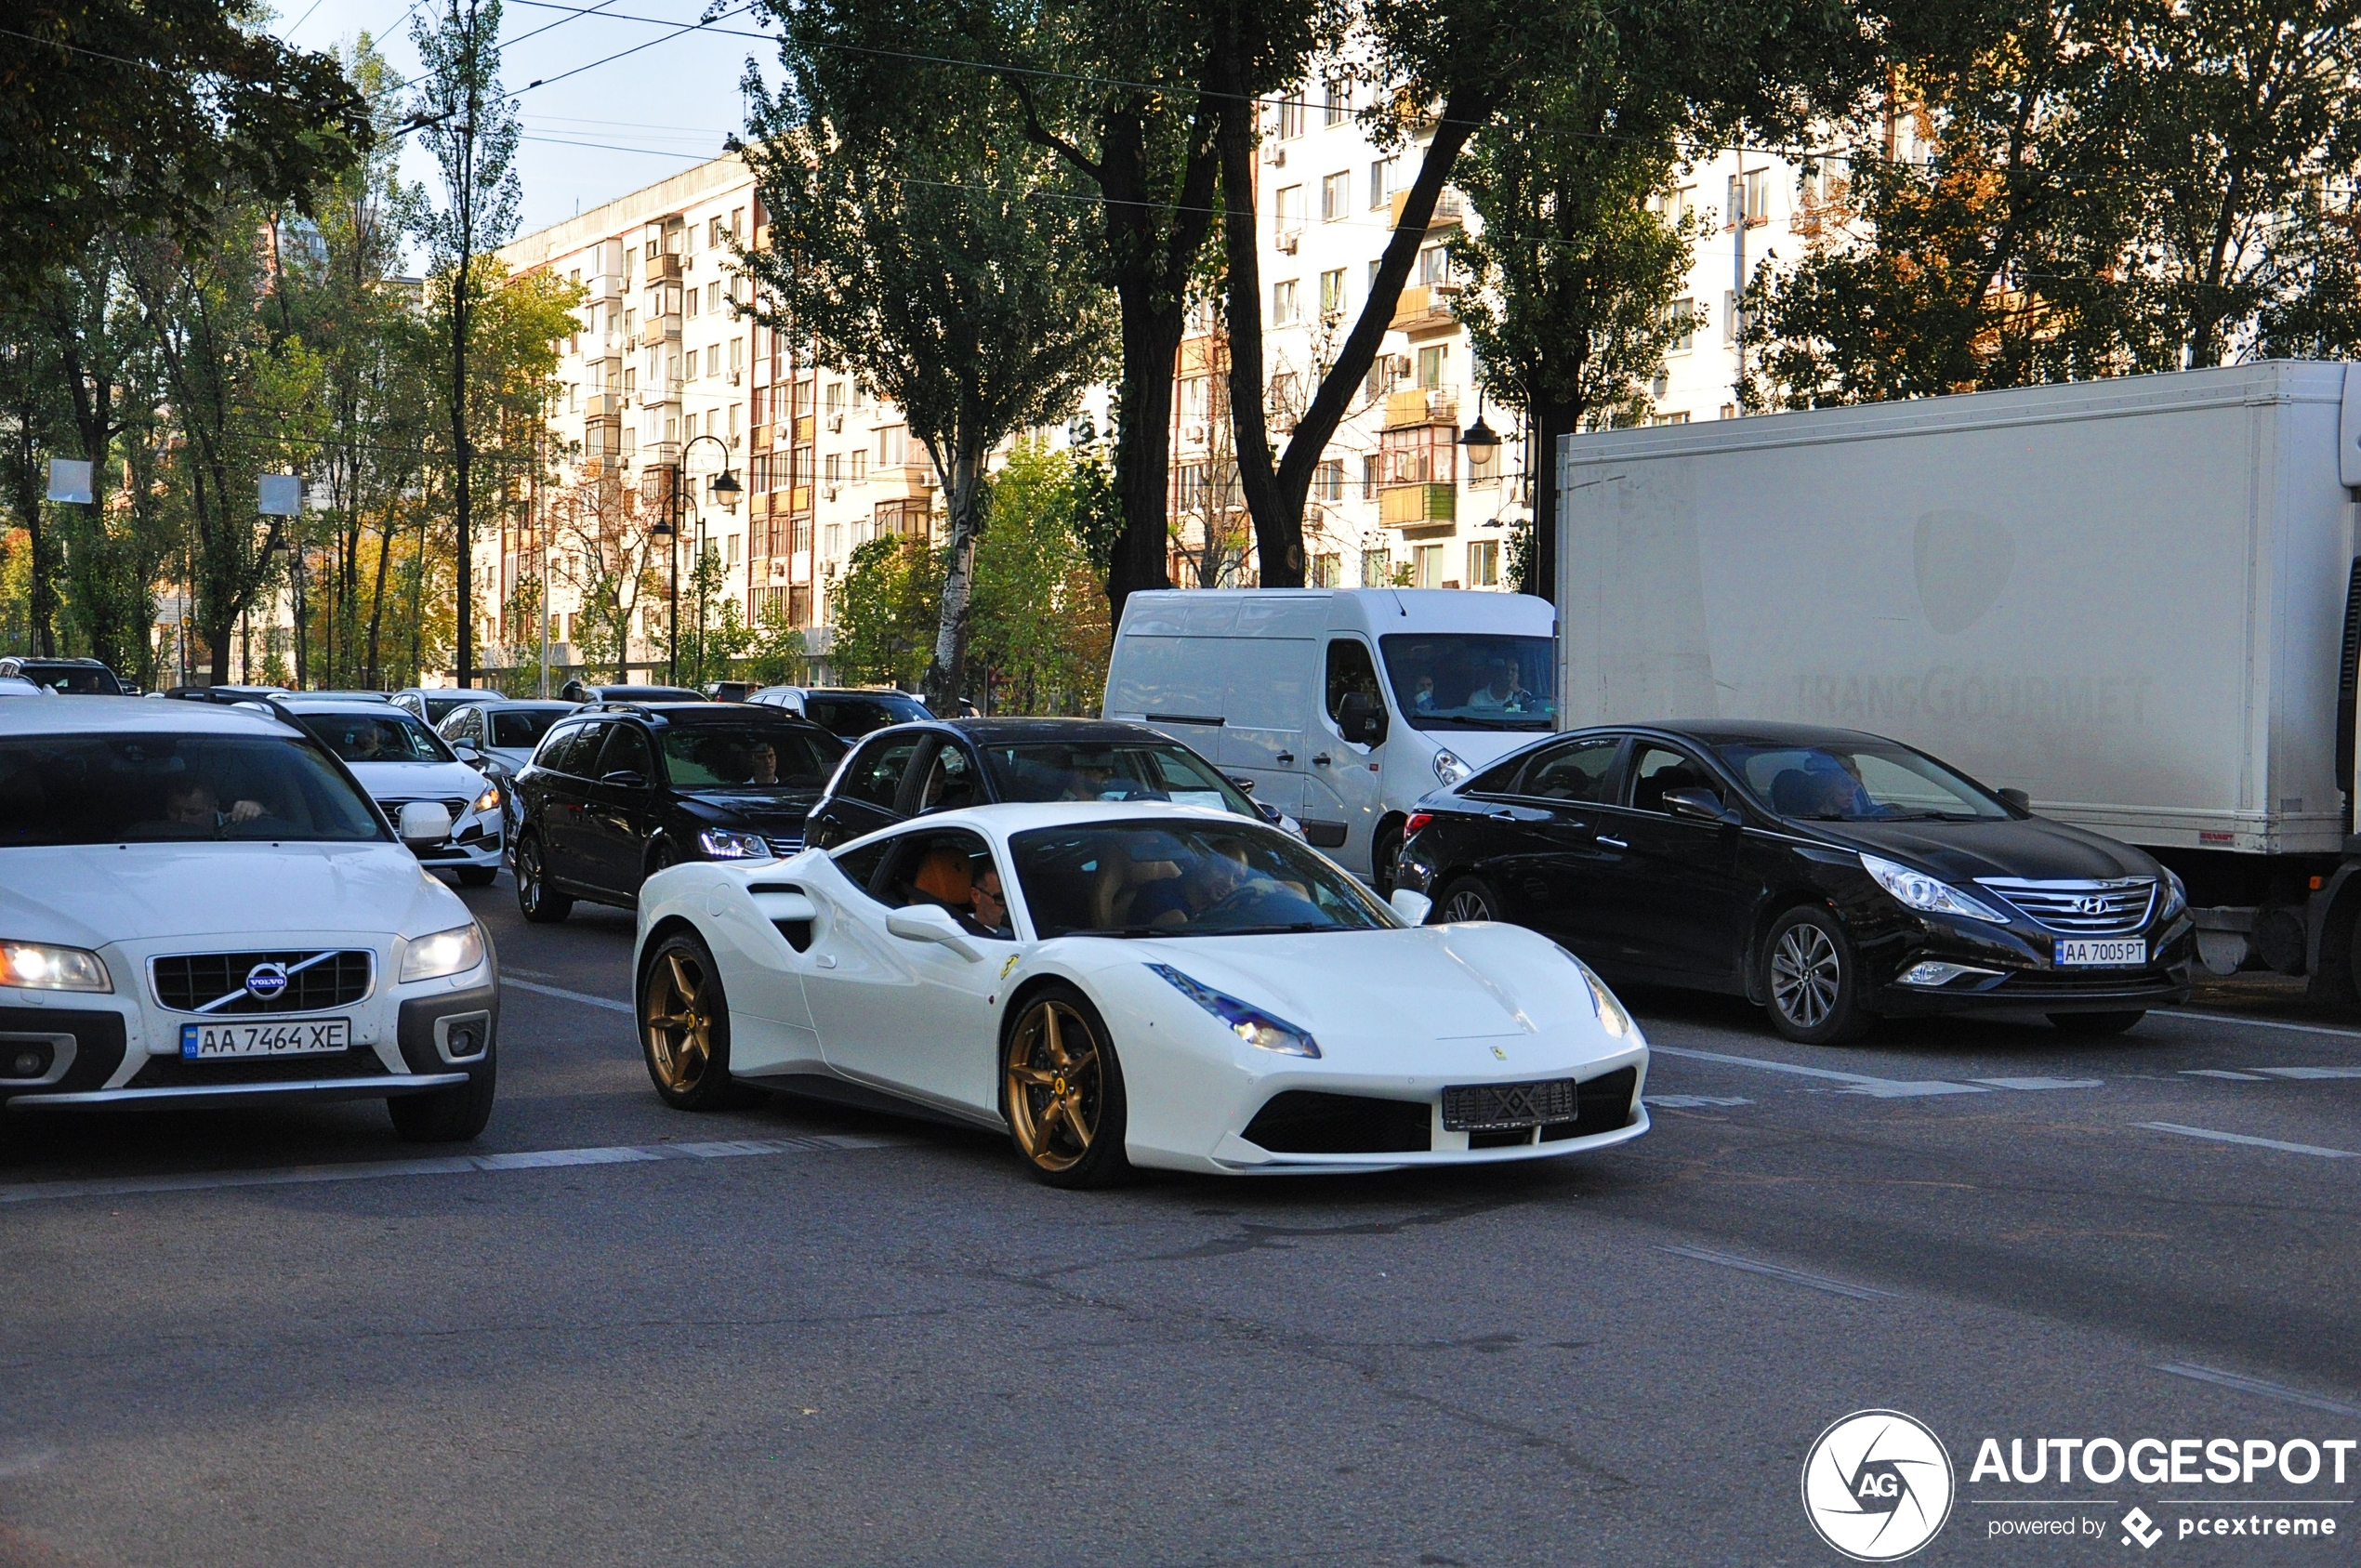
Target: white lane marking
{"type": "Point", "coordinates": [1780, 1271]}
{"type": "Point", "coordinates": [2042, 1083]}
{"type": "Point", "coordinates": [563, 995]}
{"type": "Point", "coordinates": [1855, 1083]}
{"type": "Point", "coordinates": [2220, 1073]}
{"type": "Point", "coordinates": [2256, 1022]}
{"type": "Point", "coordinates": [2312, 1072]}
{"type": "Point", "coordinates": [2251, 1143]}
{"type": "Point", "coordinates": [1695, 1101]}
{"type": "Point", "coordinates": [2247, 1385]}
{"type": "Point", "coordinates": [449, 1165]}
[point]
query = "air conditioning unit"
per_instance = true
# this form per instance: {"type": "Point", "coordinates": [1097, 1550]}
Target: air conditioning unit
{"type": "Point", "coordinates": [1278, 157]}
{"type": "Point", "coordinates": [835, 421]}
{"type": "Point", "coordinates": [736, 377]}
{"type": "Point", "coordinates": [778, 569]}
{"type": "Point", "coordinates": [830, 492]}
{"type": "Point", "coordinates": [1290, 242]}
{"type": "Point", "coordinates": [1193, 432]}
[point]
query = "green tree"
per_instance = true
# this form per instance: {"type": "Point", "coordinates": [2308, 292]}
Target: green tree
{"type": "Point", "coordinates": [924, 245]}
{"type": "Point", "coordinates": [777, 656]}
{"type": "Point", "coordinates": [886, 609]}
{"type": "Point", "coordinates": [1041, 629]}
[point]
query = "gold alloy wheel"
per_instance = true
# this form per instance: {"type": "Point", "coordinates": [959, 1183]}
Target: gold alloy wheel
{"type": "Point", "coordinates": [679, 1026]}
{"type": "Point", "coordinates": [1055, 1086]}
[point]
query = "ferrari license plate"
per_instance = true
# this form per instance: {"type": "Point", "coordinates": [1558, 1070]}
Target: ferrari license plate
{"type": "Point", "coordinates": [306, 1037]}
{"type": "Point", "coordinates": [2086, 952]}
{"type": "Point", "coordinates": [1500, 1107]}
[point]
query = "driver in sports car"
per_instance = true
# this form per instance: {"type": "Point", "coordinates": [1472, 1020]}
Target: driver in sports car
{"type": "Point", "coordinates": [1220, 879]}
{"type": "Point", "coordinates": [947, 878]}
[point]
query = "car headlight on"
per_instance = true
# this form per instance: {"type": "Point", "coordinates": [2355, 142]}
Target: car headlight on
{"type": "Point", "coordinates": [489, 800]}
{"type": "Point", "coordinates": [728, 844]}
{"type": "Point", "coordinates": [1612, 1018]}
{"type": "Point", "coordinates": [453, 951]}
{"type": "Point", "coordinates": [1449, 768]}
{"type": "Point", "coordinates": [1915, 889]}
{"type": "Point", "coordinates": [36, 966]}
{"type": "Point", "coordinates": [1250, 1023]}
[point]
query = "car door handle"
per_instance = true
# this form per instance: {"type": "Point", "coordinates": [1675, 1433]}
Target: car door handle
{"type": "Point", "coordinates": [1321, 760]}
{"type": "Point", "coordinates": [1286, 758]}
{"type": "Point", "coordinates": [1616, 843]}
{"type": "Point", "coordinates": [825, 960]}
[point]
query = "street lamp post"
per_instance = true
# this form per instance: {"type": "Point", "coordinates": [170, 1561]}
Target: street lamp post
{"type": "Point", "coordinates": [724, 483]}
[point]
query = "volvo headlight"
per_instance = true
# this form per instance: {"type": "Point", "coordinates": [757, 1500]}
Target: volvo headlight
{"type": "Point", "coordinates": [1449, 768]}
{"type": "Point", "coordinates": [1612, 1018]}
{"type": "Point", "coordinates": [453, 951]}
{"type": "Point", "coordinates": [1250, 1023]}
{"type": "Point", "coordinates": [1915, 889]}
{"type": "Point", "coordinates": [728, 844]}
{"type": "Point", "coordinates": [489, 800]}
{"type": "Point", "coordinates": [36, 966]}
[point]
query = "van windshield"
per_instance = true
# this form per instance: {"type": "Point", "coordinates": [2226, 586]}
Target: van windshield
{"type": "Point", "coordinates": [1473, 680]}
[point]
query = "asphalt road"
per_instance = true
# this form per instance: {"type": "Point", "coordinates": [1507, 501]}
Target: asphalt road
{"type": "Point", "coordinates": [795, 1335]}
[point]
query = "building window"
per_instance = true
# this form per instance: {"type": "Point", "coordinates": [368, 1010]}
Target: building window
{"type": "Point", "coordinates": [1430, 361]}
{"type": "Point", "coordinates": [859, 465]}
{"type": "Point", "coordinates": [1332, 294]}
{"type": "Point", "coordinates": [832, 399]}
{"type": "Point", "coordinates": [729, 549]}
{"type": "Point", "coordinates": [1376, 568]}
{"type": "Point", "coordinates": [1426, 566]}
{"type": "Point", "coordinates": [1385, 179]}
{"type": "Point", "coordinates": [831, 468]}
{"type": "Point", "coordinates": [1284, 310]}
{"type": "Point", "coordinates": [1328, 480]}
{"type": "Point", "coordinates": [693, 305]}
{"type": "Point", "coordinates": [1434, 266]}
{"type": "Point", "coordinates": [1685, 326]}
{"type": "Point", "coordinates": [893, 446]}
{"type": "Point", "coordinates": [737, 355]}
{"type": "Point", "coordinates": [713, 297]}
{"type": "Point", "coordinates": [1420, 454]}
{"type": "Point", "coordinates": [1372, 474]}
{"type": "Point", "coordinates": [1484, 563]}
{"type": "Point", "coordinates": [1327, 570]}
{"type": "Point", "coordinates": [693, 363]}
{"type": "Point", "coordinates": [1731, 316]}
{"type": "Point", "coordinates": [1336, 102]}
{"type": "Point", "coordinates": [1291, 116]}
{"type": "Point", "coordinates": [834, 533]}
{"type": "Point", "coordinates": [734, 424]}
{"type": "Point", "coordinates": [1334, 194]}
{"type": "Point", "coordinates": [1750, 198]}
{"type": "Point", "coordinates": [1288, 209]}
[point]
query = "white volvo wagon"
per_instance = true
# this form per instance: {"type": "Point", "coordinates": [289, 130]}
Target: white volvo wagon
{"type": "Point", "coordinates": [199, 905]}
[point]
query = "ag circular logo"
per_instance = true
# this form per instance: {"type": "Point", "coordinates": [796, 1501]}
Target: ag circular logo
{"type": "Point", "coordinates": [266, 980]}
{"type": "Point", "coordinates": [1878, 1485]}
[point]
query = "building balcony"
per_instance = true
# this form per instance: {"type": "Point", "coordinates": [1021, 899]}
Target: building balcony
{"type": "Point", "coordinates": [1448, 211]}
{"type": "Point", "coordinates": [657, 331]}
{"type": "Point", "coordinates": [665, 269]}
{"type": "Point", "coordinates": [758, 439]}
{"type": "Point", "coordinates": [1415, 505]}
{"type": "Point", "coordinates": [1425, 309]}
{"type": "Point", "coordinates": [602, 405]}
{"type": "Point", "coordinates": [1420, 405]}
{"type": "Point", "coordinates": [605, 288]}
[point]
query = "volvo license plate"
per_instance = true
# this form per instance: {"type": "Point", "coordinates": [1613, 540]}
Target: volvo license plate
{"type": "Point", "coordinates": [304, 1036]}
{"type": "Point", "coordinates": [2088, 953]}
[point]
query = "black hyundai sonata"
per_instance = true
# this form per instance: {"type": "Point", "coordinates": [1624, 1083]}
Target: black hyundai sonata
{"type": "Point", "coordinates": [1831, 876]}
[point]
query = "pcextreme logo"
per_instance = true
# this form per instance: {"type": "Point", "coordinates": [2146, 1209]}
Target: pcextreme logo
{"type": "Point", "coordinates": [1878, 1485]}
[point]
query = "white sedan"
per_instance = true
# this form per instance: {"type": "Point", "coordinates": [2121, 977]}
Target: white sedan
{"type": "Point", "coordinates": [199, 906]}
{"type": "Point", "coordinates": [399, 760]}
{"type": "Point", "coordinates": [1119, 985]}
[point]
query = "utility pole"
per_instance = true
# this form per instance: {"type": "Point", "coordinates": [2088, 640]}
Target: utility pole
{"type": "Point", "coordinates": [1739, 216]}
{"type": "Point", "coordinates": [462, 286]}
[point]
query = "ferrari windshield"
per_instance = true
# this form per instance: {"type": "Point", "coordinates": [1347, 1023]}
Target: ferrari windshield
{"type": "Point", "coordinates": [130, 789]}
{"type": "Point", "coordinates": [1847, 783]}
{"type": "Point", "coordinates": [375, 737]}
{"type": "Point", "coordinates": [1162, 878]}
{"type": "Point", "coordinates": [1468, 680]}
{"type": "Point", "coordinates": [1111, 771]}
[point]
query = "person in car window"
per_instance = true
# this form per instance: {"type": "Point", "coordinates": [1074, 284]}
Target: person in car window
{"type": "Point", "coordinates": [762, 759]}
{"type": "Point", "coordinates": [1423, 698]}
{"type": "Point", "coordinates": [194, 803]}
{"type": "Point", "coordinates": [988, 911]}
{"type": "Point", "coordinates": [363, 743]}
{"type": "Point", "coordinates": [1503, 695]}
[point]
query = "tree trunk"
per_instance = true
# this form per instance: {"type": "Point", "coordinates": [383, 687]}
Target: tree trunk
{"type": "Point", "coordinates": [1550, 419]}
{"type": "Point", "coordinates": [947, 671]}
{"type": "Point", "coordinates": [1143, 446]}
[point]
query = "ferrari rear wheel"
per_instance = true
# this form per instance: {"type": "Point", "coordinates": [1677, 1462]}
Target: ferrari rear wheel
{"type": "Point", "coordinates": [684, 1025]}
{"type": "Point", "coordinates": [1061, 1089]}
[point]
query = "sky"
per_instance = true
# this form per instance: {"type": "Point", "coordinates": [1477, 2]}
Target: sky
{"type": "Point", "coordinates": [589, 138]}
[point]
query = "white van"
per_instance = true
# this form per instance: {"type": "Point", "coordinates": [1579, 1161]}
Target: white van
{"type": "Point", "coordinates": [1343, 705]}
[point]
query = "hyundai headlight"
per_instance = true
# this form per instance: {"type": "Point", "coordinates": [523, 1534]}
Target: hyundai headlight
{"type": "Point", "coordinates": [36, 966]}
{"type": "Point", "coordinates": [1256, 1028]}
{"type": "Point", "coordinates": [728, 844]}
{"type": "Point", "coordinates": [454, 952]}
{"type": "Point", "coordinates": [489, 800]}
{"type": "Point", "coordinates": [1915, 889]}
{"type": "Point", "coordinates": [2176, 892]}
{"type": "Point", "coordinates": [1449, 768]}
{"type": "Point", "coordinates": [1612, 1018]}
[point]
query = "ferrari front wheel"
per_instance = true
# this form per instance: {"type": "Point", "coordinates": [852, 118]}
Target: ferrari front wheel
{"type": "Point", "coordinates": [1061, 1091]}
{"type": "Point", "coordinates": [684, 1025]}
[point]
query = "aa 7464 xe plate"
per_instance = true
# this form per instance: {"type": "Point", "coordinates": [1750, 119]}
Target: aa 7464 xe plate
{"type": "Point", "coordinates": [1500, 1107]}
{"type": "Point", "coordinates": [301, 1037]}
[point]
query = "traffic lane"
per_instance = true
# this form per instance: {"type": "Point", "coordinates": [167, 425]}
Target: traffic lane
{"type": "Point", "coordinates": [917, 1354]}
{"type": "Point", "coordinates": [2071, 1200]}
{"type": "Point", "coordinates": [588, 951]}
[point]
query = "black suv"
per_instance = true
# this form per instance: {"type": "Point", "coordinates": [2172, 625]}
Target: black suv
{"type": "Point", "coordinates": [617, 792]}
{"type": "Point", "coordinates": [68, 678]}
{"type": "Point", "coordinates": [944, 764]}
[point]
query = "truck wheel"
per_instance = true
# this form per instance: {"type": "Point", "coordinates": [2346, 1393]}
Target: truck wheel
{"type": "Point", "coordinates": [1812, 979]}
{"type": "Point", "coordinates": [2095, 1026]}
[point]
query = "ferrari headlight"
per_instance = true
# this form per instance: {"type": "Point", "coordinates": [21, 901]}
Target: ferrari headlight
{"type": "Point", "coordinates": [1449, 768]}
{"type": "Point", "coordinates": [1250, 1023]}
{"type": "Point", "coordinates": [36, 966]}
{"type": "Point", "coordinates": [489, 800]}
{"type": "Point", "coordinates": [1915, 889]}
{"type": "Point", "coordinates": [728, 844]}
{"type": "Point", "coordinates": [446, 953]}
{"type": "Point", "coordinates": [1612, 1018]}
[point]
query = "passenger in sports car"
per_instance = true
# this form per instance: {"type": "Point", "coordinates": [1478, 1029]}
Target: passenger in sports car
{"type": "Point", "coordinates": [988, 914]}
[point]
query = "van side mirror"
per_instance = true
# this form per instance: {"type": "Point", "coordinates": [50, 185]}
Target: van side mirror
{"type": "Point", "coordinates": [1700, 805]}
{"type": "Point", "coordinates": [2016, 798]}
{"type": "Point", "coordinates": [1361, 718]}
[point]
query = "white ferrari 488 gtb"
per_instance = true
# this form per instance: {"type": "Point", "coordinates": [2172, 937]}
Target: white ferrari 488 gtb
{"type": "Point", "coordinates": [1121, 985]}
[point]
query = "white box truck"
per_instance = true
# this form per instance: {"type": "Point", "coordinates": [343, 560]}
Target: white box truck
{"type": "Point", "coordinates": [1339, 706]}
{"type": "Point", "coordinates": [2133, 599]}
